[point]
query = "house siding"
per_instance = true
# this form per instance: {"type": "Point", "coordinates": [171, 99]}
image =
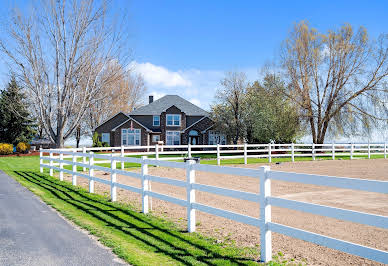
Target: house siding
{"type": "Point", "coordinates": [117, 133]}
{"type": "Point", "coordinates": [192, 119]}
{"type": "Point", "coordinates": [201, 126]}
{"type": "Point", "coordinates": [109, 125]}
{"type": "Point", "coordinates": [164, 127]}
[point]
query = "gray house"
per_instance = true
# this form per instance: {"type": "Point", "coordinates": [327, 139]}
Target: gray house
{"type": "Point", "coordinates": [170, 119]}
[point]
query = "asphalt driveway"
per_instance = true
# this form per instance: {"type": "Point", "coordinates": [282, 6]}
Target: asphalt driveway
{"type": "Point", "coordinates": [33, 234]}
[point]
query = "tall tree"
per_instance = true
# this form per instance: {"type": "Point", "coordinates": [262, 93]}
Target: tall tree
{"type": "Point", "coordinates": [16, 124]}
{"type": "Point", "coordinates": [61, 54]}
{"type": "Point", "coordinates": [229, 111]}
{"type": "Point", "coordinates": [337, 79]}
{"type": "Point", "coordinates": [270, 116]}
{"type": "Point", "coordinates": [123, 95]}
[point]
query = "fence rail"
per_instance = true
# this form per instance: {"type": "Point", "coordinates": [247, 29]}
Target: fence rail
{"type": "Point", "coordinates": [264, 176]}
{"type": "Point", "coordinates": [241, 151]}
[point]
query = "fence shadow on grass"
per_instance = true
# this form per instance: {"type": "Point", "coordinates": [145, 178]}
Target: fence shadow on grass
{"type": "Point", "coordinates": [177, 245]}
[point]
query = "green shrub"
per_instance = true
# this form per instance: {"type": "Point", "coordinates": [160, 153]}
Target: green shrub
{"type": "Point", "coordinates": [6, 148]}
{"type": "Point", "coordinates": [21, 147]}
{"type": "Point", "coordinates": [105, 144]}
{"type": "Point", "coordinates": [96, 140]}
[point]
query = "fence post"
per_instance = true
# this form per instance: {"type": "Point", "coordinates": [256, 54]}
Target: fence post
{"type": "Point", "coordinates": [190, 178]}
{"type": "Point", "coordinates": [84, 158]}
{"type": "Point", "coordinates": [122, 156]}
{"type": "Point", "coordinates": [313, 151]}
{"type": "Point", "coordinates": [40, 160]}
{"type": "Point", "coordinates": [245, 154]}
{"type": "Point", "coordinates": [51, 163]}
{"type": "Point", "coordinates": [351, 151]}
{"type": "Point", "coordinates": [218, 155]}
{"type": "Point", "coordinates": [368, 150]}
{"type": "Point", "coordinates": [292, 152]}
{"type": "Point", "coordinates": [113, 189]}
{"type": "Point", "coordinates": [265, 215]}
{"type": "Point", "coordinates": [144, 184]}
{"type": "Point", "coordinates": [91, 173]}
{"type": "Point", "coordinates": [385, 150]}
{"type": "Point", "coordinates": [60, 166]}
{"type": "Point", "coordinates": [189, 150]}
{"type": "Point", "coordinates": [269, 153]}
{"type": "Point", "coordinates": [157, 151]}
{"type": "Point", "coordinates": [332, 151]}
{"type": "Point", "coordinates": [74, 166]}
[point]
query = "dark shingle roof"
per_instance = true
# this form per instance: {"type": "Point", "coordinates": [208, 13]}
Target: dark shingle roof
{"type": "Point", "coordinates": [162, 104]}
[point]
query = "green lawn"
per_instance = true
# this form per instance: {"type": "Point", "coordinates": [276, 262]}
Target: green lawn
{"type": "Point", "coordinates": [137, 238]}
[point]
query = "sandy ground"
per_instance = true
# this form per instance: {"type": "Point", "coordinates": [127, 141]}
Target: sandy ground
{"type": "Point", "coordinates": [245, 235]}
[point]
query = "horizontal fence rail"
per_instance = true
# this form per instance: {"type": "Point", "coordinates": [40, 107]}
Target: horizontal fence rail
{"type": "Point", "coordinates": [238, 151]}
{"type": "Point", "coordinates": [263, 175]}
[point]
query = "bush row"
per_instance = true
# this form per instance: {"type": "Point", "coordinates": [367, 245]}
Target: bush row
{"type": "Point", "coordinates": [6, 148]}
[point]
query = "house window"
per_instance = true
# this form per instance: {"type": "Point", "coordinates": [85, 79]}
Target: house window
{"type": "Point", "coordinates": [156, 120]}
{"type": "Point", "coordinates": [155, 138]}
{"type": "Point", "coordinates": [105, 137]}
{"type": "Point", "coordinates": [173, 120]}
{"type": "Point", "coordinates": [130, 137]}
{"type": "Point", "coordinates": [173, 138]}
{"type": "Point", "coordinates": [216, 138]}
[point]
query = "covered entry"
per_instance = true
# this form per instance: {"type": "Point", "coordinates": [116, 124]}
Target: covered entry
{"type": "Point", "coordinates": [194, 137]}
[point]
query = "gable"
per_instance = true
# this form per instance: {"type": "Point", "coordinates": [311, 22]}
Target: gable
{"type": "Point", "coordinates": [173, 110]}
{"type": "Point", "coordinates": [111, 123]}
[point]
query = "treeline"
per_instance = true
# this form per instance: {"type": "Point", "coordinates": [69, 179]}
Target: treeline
{"type": "Point", "coordinates": [255, 113]}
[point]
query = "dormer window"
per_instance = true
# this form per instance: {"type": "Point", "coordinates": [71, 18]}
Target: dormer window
{"type": "Point", "coordinates": [156, 121]}
{"type": "Point", "coordinates": [173, 120]}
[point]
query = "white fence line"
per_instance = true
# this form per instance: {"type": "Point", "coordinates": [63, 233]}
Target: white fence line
{"type": "Point", "coordinates": [264, 198]}
{"type": "Point", "coordinates": [240, 151]}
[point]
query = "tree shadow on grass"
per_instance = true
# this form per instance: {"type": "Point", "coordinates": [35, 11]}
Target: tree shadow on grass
{"type": "Point", "coordinates": [155, 236]}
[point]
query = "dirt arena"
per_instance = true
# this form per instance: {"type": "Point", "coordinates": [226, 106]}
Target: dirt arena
{"type": "Point", "coordinates": [245, 235]}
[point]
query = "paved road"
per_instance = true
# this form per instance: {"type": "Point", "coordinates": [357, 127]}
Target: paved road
{"type": "Point", "coordinates": [33, 234]}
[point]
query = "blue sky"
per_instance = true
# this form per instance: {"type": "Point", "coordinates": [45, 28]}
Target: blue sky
{"type": "Point", "coordinates": [186, 47]}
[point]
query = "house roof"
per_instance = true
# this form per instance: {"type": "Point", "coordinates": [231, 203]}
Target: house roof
{"type": "Point", "coordinates": [162, 104]}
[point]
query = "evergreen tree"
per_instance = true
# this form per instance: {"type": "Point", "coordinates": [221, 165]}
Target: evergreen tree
{"type": "Point", "coordinates": [16, 124]}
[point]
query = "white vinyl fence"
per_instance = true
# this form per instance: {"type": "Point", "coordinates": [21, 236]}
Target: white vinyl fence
{"type": "Point", "coordinates": [245, 151]}
{"type": "Point", "coordinates": [264, 175]}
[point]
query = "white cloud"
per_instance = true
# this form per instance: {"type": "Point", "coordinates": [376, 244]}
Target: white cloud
{"type": "Point", "coordinates": [195, 101]}
{"type": "Point", "coordinates": [160, 76]}
{"type": "Point", "coordinates": [157, 95]}
{"type": "Point", "coordinates": [197, 85]}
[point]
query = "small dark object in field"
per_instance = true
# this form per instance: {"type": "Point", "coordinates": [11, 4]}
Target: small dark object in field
{"type": "Point", "coordinates": [278, 162]}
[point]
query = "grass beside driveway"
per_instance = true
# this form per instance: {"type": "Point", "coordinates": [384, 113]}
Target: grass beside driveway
{"type": "Point", "coordinates": [137, 238]}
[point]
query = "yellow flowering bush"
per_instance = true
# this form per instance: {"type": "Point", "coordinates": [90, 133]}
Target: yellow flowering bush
{"type": "Point", "coordinates": [6, 149]}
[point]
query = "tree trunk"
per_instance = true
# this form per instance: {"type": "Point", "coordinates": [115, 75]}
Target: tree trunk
{"type": "Point", "coordinates": [59, 141]}
{"type": "Point", "coordinates": [78, 135]}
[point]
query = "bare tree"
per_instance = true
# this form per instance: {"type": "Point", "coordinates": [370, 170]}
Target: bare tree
{"type": "Point", "coordinates": [337, 79]}
{"type": "Point", "coordinates": [229, 112]}
{"type": "Point", "coordinates": [60, 54]}
{"type": "Point", "coordinates": [123, 95]}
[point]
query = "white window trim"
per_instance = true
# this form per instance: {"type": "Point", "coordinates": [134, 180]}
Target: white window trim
{"type": "Point", "coordinates": [127, 139]}
{"type": "Point", "coordinates": [180, 119]}
{"type": "Point", "coordinates": [153, 120]}
{"type": "Point", "coordinates": [155, 136]}
{"type": "Point", "coordinates": [173, 139]}
{"type": "Point", "coordinates": [218, 135]}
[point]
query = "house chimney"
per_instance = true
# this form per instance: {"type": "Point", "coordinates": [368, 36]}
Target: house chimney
{"type": "Point", "coordinates": [150, 99]}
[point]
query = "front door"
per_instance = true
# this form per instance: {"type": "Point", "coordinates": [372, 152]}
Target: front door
{"type": "Point", "coordinates": [194, 140]}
